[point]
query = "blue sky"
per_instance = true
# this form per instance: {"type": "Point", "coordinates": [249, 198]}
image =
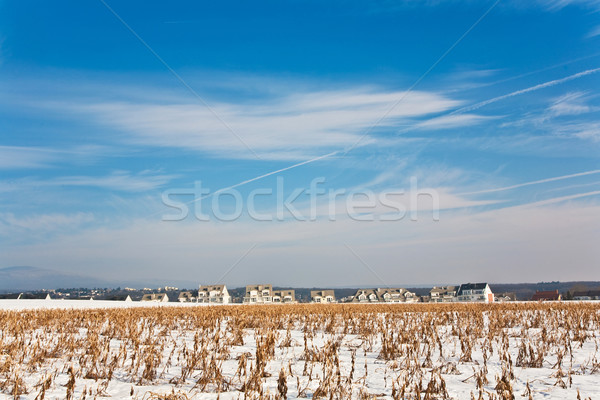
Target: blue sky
{"type": "Point", "coordinates": [494, 106]}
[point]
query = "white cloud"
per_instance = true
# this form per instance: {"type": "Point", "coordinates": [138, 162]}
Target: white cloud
{"type": "Point", "coordinates": [43, 223]}
{"type": "Point", "coordinates": [582, 130]}
{"type": "Point", "coordinates": [296, 126]}
{"type": "Point", "coordinates": [564, 119]}
{"type": "Point", "coordinates": [120, 180]}
{"type": "Point", "coordinates": [123, 181]}
{"type": "Point", "coordinates": [17, 157]}
{"type": "Point", "coordinates": [32, 157]}
{"type": "Point", "coordinates": [569, 104]}
{"type": "Point", "coordinates": [422, 201]}
{"type": "Point", "coordinates": [451, 121]}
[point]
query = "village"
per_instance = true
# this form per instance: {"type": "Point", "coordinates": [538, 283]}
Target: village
{"type": "Point", "coordinates": [266, 294]}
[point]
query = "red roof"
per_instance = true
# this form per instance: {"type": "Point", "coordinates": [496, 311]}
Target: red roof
{"type": "Point", "coordinates": [546, 295]}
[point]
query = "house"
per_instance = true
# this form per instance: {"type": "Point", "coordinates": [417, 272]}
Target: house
{"type": "Point", "coordinates": [156, 297]}
{"type": "Point", "coordinates": [322, 296]}
{"type": "Point", "coordinates": [586, 295]}
{"type": "Point", "coordinates": [186, 297]}
{"type": "Point", "coordinates": [546, 295]}
{"type": "Point", "coordinates": [505, 296]}
{"type": "Point", "coordinates": [475, 292]}
{"type": "Point", "coordinates": [284, 296]}
{"type": "Point", "coordinates": [258, 294]}
{"type": "Point", "coordinates": [442, 294]}
{"type": "Point", "coordinates": [386, 295]}
{"type": "Point", "coordinates": [397, 295]}
{"type": "Point", "coordinates": [366, 296]}
{"type": "Point", "coordinates": [214, 294]}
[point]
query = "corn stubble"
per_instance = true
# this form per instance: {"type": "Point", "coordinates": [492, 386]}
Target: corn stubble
{"type": "Point", "coordinates": [295, 351]}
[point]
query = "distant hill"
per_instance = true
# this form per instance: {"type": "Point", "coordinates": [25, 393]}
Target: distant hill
{"type": "Point", "coordinates": [21, 278]}
{"type": "Point", "coordinates": [27, 278]}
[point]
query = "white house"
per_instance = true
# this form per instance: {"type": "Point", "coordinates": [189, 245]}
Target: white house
{"type": "Point", "coordinates": [215, 294]}
{"type": "Point", "coordinates": [397, 295]}
{"type": "Point", "coordinates": [475, 292]}
{"type": "Point", "coordinates": [284, 296]}
{"type": "Point", "coordinates": [385, 295]}
{"type": "Point", "coordinates": [259, 294]}
{"type": "Point", "coordinates": [505, 296]}
{"type": "Point", "coordinates": [442, 294]}
{"type": "Point", "coordinates": [322, 296]}
{"type": "Point", "coordinates": [365, 296]}
{"type": "Point", "coordinates": [186, 297]}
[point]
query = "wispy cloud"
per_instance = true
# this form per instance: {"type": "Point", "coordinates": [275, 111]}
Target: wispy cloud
{"type": "Point", "coordinates": [572, 115]}
{"type": "Point", "coordinates": [294, 126]}
{"type": "Point", "coordinates": [30, 157]}
{"type": "Point", "coordinates": [43, 223]}
{"type": "Point", "coordinates": [120, 180]}
{"type": "Point", "coordinates": [451, 121]}
{"type": "Point", "coordinates": [17, 157]}
{"type": "Point", "coordinates": [123, 181]}
{"type": "Point", "coordinates": [570, 104]}
{"type": "Point", "coordinates": [582, 130]}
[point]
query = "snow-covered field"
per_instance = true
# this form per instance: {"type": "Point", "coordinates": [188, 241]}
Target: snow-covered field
{"type": "Point", "coordinates": [458, 351]}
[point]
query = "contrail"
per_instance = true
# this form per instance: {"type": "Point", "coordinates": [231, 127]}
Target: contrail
{"type": "Point", "coordinates": [537, 71]}
{"type": "Point", "coordinates": [555, 200]}
{"type": "Point", "coordinates": [527, 90]}
{"type": "Point", "coordinates": [556, 178]}
{"type": "Point", "coordinates": [265, 175]}
{"type": "Point", "coordinates": [257, 178]}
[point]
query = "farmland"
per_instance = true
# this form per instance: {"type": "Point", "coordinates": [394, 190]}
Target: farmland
{"type": "Point", "coordinates": [411, 351]}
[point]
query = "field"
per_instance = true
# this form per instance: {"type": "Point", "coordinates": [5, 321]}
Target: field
{"type": "Point", "coordinates": [416, 351]}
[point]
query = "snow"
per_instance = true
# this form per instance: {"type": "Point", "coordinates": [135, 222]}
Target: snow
{"type": "Point", "coordinates": [376, 378]}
